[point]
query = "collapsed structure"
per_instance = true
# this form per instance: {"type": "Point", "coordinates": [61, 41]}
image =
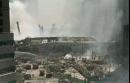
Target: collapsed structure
{"type": "Point", "coordinates": [56, 45]}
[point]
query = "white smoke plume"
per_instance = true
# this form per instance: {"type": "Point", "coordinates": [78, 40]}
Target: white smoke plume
{"type": "Point", "coordinates": [99, 19]}
{"type": "Point", "coordinates": [28, 26]}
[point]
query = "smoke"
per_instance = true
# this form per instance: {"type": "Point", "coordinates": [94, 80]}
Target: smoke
{"type": "Point", "coordinates": [27, 23]}
{"type": "Point", "coordinates": [99, 19]}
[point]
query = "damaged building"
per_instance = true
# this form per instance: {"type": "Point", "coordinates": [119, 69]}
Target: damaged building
{"type": "Point", "coordinates": [55, 45]}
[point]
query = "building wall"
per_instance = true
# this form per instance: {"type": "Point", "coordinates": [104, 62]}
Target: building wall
{"type": "Point", "coordinates": [7, 67]}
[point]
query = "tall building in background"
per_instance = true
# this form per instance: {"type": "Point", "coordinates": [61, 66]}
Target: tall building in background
{"type": "Point", "coordinates": [125, 34]}
{"type": "Point", "coordinates": [122, 45]}
{"type": "Point", "coordinates": [7, 67]}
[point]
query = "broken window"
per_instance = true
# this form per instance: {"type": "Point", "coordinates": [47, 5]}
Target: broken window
{"type": "Point", "coordinates": [44, 41]}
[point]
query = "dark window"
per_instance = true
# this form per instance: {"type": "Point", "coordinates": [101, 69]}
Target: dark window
{"type": "Point", "coordinates": [1, 22]}
{"type": "Point", "coordinates": [12, 81]}
{"type": "Point", "coordinates": [9, 42]}
{"type": "Point", "coordinates": [1, 30]}
{"type": "Point", "coordinates": [8, 69]}
{"type": "Point", "coordinates": [1, 12]}
{"type": "Point", "coordinates": [4, 56]}
{"type": "Point", "coordinates": [0, 4]}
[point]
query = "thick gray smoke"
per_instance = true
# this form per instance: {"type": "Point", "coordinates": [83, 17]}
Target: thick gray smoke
{"type": "Point", "coordinates": [99, 19]}
{"type": "Point", "coordinates": [27, 23]}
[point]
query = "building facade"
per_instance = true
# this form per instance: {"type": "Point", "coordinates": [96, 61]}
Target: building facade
{"type": "Point", "coordinates": [4, 16]}
{"type": "Point", "coordinates": [7, 67]}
